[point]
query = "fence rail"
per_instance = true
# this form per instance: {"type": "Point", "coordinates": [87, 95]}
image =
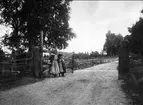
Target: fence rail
{"type": "Point", "coordinates": [16, 62]}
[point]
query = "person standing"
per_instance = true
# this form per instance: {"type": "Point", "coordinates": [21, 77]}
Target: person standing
{"type": "Point", "coordinates": [54, 65]}
{"type": "Point", "coordinates": [50, 64]}
{"type": "Point", "coordinates": [61, 64]}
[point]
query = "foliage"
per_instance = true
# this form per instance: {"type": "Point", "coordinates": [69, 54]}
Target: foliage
{"type": "Point", "coordinates": [81, 55]}
{"type": "Point", "coordinates": [136, 38]}
{"type": "Point", "coordinates": [71, 64]}
{"type": "Point", "coordinates": [85, 63]}
{"type": "Point", "coordinates": [28, 17]}
{"type": "Point", "coordinates": [2, 55]}
{"type": "Point", "coordinates": [94, 54]}
{"type": "Point", "coordinates": [86, 55]}
{"type": "Point", "coordinates": [127, 38]}
{"type": "Point", "coordinates": [81, 60]}
{"type": "Point", "coordinates": [112, 43]}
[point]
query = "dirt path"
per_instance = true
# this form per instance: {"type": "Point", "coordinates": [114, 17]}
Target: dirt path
{"type": "Point", "coordinates": [97, 85]}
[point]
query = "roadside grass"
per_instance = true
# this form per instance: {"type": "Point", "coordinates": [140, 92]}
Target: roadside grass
{"type": "Point", "coordinates": [19, 82]}
{"type": "Point", "coordinates": [131, 94]}
{"type": "Point", "coordinates": [134, 87]}
{"type": "Point", "coordinates": [85, 63]}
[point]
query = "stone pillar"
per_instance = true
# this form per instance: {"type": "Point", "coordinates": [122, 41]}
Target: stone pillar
{"type": "Point", "coordinates": [123, 68]}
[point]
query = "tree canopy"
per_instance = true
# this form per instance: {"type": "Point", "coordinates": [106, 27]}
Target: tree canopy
{"type": "Point", "coordinates": [112, 43]}
{"type": "Point", "coordinates": [136, 37]}
{"type": "Point", "coordinates": [28, 17]}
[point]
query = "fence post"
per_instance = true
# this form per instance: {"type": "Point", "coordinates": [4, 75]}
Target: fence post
{"type": "Point", "coordinates": [123, 67]}
{"type": "Point", "coordinates": [72, 68]}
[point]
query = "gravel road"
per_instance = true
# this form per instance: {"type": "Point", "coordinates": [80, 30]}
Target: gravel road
{"type": "Point", "coordinates": [98, 85]}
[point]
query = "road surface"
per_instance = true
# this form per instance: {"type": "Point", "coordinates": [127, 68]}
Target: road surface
{"type": "Point", "coordinates": [98, 85]}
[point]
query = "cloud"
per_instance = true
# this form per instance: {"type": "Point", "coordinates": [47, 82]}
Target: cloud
{"type": "Point", "coordinates": [131, 5]}
{"type": "Point", "coordinates": [116, 9]}
{"type": "Point", "coordinates": [92, 19]}
{"type": "Point", "coordinates": [83, 10]}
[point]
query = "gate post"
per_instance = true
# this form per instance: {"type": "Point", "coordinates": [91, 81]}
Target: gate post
{"type": "Point", "coordinates": [36, 62]}
{"type": "Point", "coordinates": [123, 67]}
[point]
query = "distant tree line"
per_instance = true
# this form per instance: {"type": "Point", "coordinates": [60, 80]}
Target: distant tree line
{"type": "Point", "coordinates": [86, 55]}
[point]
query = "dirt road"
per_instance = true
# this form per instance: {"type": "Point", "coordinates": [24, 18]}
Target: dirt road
{"type": "Point", "coordinates": [97, 85]}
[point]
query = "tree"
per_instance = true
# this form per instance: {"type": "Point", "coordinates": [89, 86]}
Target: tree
{"type": "Point", "coordinates": [128, 38]}
{"type": "Point", "coordinates": [117, 43]}
{"type": "Point", "coordinates": [94, 54]}
{"type": "Point", "coordinates": [28, 17]}
{"type": "Point", "coordinates": [112, 43]}
{"type": "Point", "coordinates": [136, 38]}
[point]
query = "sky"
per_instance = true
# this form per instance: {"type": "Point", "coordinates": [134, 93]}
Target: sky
{"type": "Point", "coordinates": [91, 20]}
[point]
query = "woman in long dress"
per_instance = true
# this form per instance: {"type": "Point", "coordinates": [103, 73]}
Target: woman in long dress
{"type": "Point", "coordinates": [55, 68]}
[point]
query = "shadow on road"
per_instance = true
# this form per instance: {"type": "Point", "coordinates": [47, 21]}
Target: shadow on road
{"type": "Point", "coordinates": [27, 80]}
{"type": "Point", "coordinates": [16, 83]}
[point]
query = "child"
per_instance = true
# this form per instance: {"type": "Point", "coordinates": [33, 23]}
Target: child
{"type": "Point", "coordinates": [61, 64]}
{"type": "Point", "coordinates": [54, 68]}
